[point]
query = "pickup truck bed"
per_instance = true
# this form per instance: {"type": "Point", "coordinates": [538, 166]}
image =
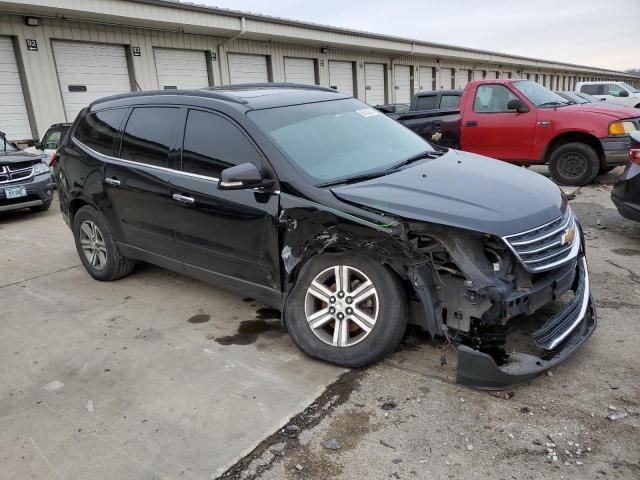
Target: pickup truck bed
{"type": "Point", "coordinates": [441, 127]}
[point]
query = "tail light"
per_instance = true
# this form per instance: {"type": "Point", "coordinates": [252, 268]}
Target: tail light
{"type": "Point", "coordinates": [54, 160]}
{"type": "Point", "coordinates": [634, 151]}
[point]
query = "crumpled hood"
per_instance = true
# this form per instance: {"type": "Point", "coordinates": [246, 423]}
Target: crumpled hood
{"type": "Point", "coordinates": [15, 157]}
{"type": "Point", "coordinates": [463, 190]}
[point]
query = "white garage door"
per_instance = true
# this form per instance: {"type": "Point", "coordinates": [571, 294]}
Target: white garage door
{"type": "Point", "coordinates": [14, 120]}
{"type": "Point", "coordinates": [402, 81]}
{"type": "Point", "coordinates": [341, 76]}
{"type": "Point", "coordinates": [181, 69]}
{"type": "Point", "coordinates": [478, 74]}
{"type": "Point", "coordinates": [426, 78]}
{"type": "Point", "coordinates": [492, 74]}
{"type": "Point", "coordinates": [88, 71]}
{"type": "Point", "coordinates": [445, 78]}
{"type": "Point", "coordinates": [300, 70]}
{"type": "Point", "coordinates": [374, 83]}
{"type": "Point", "coordinates": [463, 78]}
{"type": "Point", "coordinates": [248, 68]}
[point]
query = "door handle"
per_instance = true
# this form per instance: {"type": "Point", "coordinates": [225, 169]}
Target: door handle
{"type": "Point", "coordinates": [471, 123]}
{"type": "Point", "coordinates": [112, 181]}
{"type": "Point", "coordinates": [183, 199]}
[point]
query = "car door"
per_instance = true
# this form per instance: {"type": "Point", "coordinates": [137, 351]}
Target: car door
{"type": "Point", "coordinates": [614, 94]}
{"type": "Point", "coordinates": [137, 181]}
{"type": "Point", "coordinates": [490, 128]}
{"type": "Point", "coordinates": [223, 233]}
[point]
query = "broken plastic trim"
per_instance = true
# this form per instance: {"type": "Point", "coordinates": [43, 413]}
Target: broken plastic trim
{"type": "Point", "coordinates": [479, 370]}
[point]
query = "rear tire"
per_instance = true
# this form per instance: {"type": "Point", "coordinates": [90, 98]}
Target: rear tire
{"type": "Point", "coordinates": [97, 247]}
{"type": "Point", "coordinates": [574, 163]}
{"type": "Point", "coordinates": [370, 322]}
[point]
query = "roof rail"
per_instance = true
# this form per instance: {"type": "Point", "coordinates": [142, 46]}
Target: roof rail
{"type": "Point", "coordinates": [203, 92]}
{"type": "Point", "coordinates": [245, 86]}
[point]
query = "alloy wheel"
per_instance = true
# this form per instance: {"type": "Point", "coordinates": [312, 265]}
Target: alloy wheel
{"type": "Point", "coordinates": [341, 306]}
{"type": "Point", "coordinates": [93, 245]}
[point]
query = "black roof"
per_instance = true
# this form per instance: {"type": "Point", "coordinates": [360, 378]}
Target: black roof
{"type": "Point", "coordinates": [252, 96]}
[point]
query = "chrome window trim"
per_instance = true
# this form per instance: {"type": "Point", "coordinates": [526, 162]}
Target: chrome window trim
{"type": "Point", "coordinates": [121, 161]}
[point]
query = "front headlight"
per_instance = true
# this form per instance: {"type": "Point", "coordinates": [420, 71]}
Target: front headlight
{"type": "Point", "coordinates": [39, 168]}
{"type": "Point", "coordinates": [621, 128]}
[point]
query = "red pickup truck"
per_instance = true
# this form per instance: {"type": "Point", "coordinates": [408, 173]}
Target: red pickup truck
{"type": "Point", "coordinates": [522, 122]}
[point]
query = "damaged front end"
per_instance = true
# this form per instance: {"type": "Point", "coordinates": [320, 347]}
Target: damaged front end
{"type": "Point", "coordinates": [480, 290]}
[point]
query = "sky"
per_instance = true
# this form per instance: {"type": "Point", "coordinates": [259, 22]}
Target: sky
{"type": "Point", "coordinates": [599, 33]}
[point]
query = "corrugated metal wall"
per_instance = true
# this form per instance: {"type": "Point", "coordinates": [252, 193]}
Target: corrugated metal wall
{"type": "Point", "coordinates": [43, 89]}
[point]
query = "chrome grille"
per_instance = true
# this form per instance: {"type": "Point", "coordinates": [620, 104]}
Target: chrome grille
{"type": "Point", "coordinates": [15, 173]}
{"type": "Point", "coordinates": [547, 246]}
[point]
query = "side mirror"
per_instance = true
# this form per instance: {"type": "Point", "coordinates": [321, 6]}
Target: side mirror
{"type": "Point", "coordinates": [517, 105]}
{"type": "Point", "coordinates": [242, 177]}
{"type": "Point", "coordinates": [623, 93]}
{"type": "Point", "coordinates": [39, 145]}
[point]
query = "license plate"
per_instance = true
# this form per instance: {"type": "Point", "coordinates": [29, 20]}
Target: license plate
{"type": "Point", "coordinates": [15, 192]}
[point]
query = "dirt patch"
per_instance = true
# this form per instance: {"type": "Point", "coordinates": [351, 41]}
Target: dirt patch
{"type": "Point", "coordinates": [630, 252]}
{"type": "Point", "coordinates": [288, 445]}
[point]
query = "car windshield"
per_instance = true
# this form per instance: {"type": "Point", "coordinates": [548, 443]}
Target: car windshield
{"type": "Point", "coordinates": [538, 95]}
{"type": "Point", "coordinates": [5, 146]}
{"type": "Point", "coordinates": [587, 97]}
{"type": "Point", "coordinates": [572, 97]}
{"type": "Point", "coordinates": [339, 139]}
{"type": "Point", "coordinates": [629, 87]}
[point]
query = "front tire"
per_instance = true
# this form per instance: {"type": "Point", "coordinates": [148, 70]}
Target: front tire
{"type": "Point", "coordinates": [574, 164]}
{"type": "Point", "coordinates": [346, 309]}
{"type": "Point", "coordinates": [97, 247]}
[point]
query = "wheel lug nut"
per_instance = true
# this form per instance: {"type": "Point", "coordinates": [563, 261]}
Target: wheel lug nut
{"type": "Point", "coordinates": [340, 294]}
{"type": "Point", "coordinates": [349, 311]}
{"type": "Point", "coordinates": [340, 316]}
{"type": "Point", "coordinates": [349, 299]}
{"type": "Point", "coordinates": [332, 310]}
{"type": "Point", "coordinates": [332, 299]}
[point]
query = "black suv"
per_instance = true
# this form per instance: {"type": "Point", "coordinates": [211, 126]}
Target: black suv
{"type": "Point", "coordinates": [322, 207]}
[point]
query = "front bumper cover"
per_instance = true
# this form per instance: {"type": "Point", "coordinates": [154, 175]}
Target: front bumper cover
{"type": "Point", "coordinates": [616, 150]}
{"type": "Point", "coordinates": [558, 338]}
{"type": "Point", "coordinates": [39, 191]}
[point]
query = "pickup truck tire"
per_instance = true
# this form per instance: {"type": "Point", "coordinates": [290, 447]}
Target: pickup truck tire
{"type": "Point", "coordinates": [574, 163]}
{"type": "Point", "coordinates": [358, 296]}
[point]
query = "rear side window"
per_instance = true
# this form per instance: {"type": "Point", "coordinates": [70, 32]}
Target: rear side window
{"type": "Point", "coordinates": [449, 101]}
{"type": "Point", "coordinates": [212, 143]}
{"type": "Point", "coordinates": [99, 131]}
{"type": "Point", "coordinates": [149, 135]}
{"type": "Point", "coordinates": [426, 102]}
{"type": "Point", "coordinates": [592, 89]}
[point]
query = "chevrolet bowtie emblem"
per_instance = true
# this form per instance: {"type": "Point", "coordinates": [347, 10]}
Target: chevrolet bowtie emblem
{"type": "Point", "coordinates": [568, 236]}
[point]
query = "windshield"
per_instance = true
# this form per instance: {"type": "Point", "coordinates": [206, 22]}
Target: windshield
{"type": "Point", "coordinates": [339, 139]}
{"type": "Point", "coordinates": [5, 146]}
{"type": "Point", "coordinates": [587, 97]}
{"type": "Point", "coordinates": [538, 95]}
{"type": "Point", "coordinates": [629, 87]}
{"type": "Point", "coordinates": [572, 97]}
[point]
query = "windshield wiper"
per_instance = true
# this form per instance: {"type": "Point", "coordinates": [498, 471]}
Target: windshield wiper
{"type": "Point", "coordinates": [554, 103]}
{"type": "Point", "coordinates": [355, 178]}
{"type": "Point", "coordinates": [413, 158]}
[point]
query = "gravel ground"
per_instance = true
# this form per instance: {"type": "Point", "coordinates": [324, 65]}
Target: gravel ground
{"type": "Point", "coordinates": [406, 417]}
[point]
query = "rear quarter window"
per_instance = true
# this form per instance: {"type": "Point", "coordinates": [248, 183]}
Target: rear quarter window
{"type": "Point", "coordinates": [450, 101]}
{"type": "Point", "coordinates": [426, 102]}
{"type": "Point", "coordinates": [99, 130]}
{"type": "Point", "coordinates": [592, 89]}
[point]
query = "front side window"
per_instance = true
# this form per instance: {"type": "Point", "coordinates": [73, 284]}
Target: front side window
{"type": "Point", "coordinates": [426, 102]}
{"type": "Point", "coordinates": [99, 130]}
{"type": "Point", "coordinates": [493, 99]}
{"type": "Point", "coordinates": [335, 140]}
{"type": "Point", "coordinates": [538, 95]}
{"type": "Point", "coordinates": [212, 143]}
{"type": "Point", "coordinates": [612, 89]}
{"type": "Point", "coordinates": [450, 101]}
{"type": "Point", "coordinates": [149, 135]}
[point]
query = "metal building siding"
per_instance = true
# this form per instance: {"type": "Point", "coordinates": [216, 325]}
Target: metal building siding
{"type": "Point", "coordinates": [341, 76]}
{"type": "Point", "coordinates": [101, 69]}
{"type": "Point", "coordinates": [374, 84]}
{"type": "Point", "coordinates": [181, 69]}
{"type": "Point", "coordinates": [402, 83]}
{"type": "Point", "coordinates": [462, 77]}
{"type": "Point", "coordinates": [299, 70]}
{"type": "Point", "coordinates": [14, 119]}
{"type": "Point", "coordinates": [245, 68]}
